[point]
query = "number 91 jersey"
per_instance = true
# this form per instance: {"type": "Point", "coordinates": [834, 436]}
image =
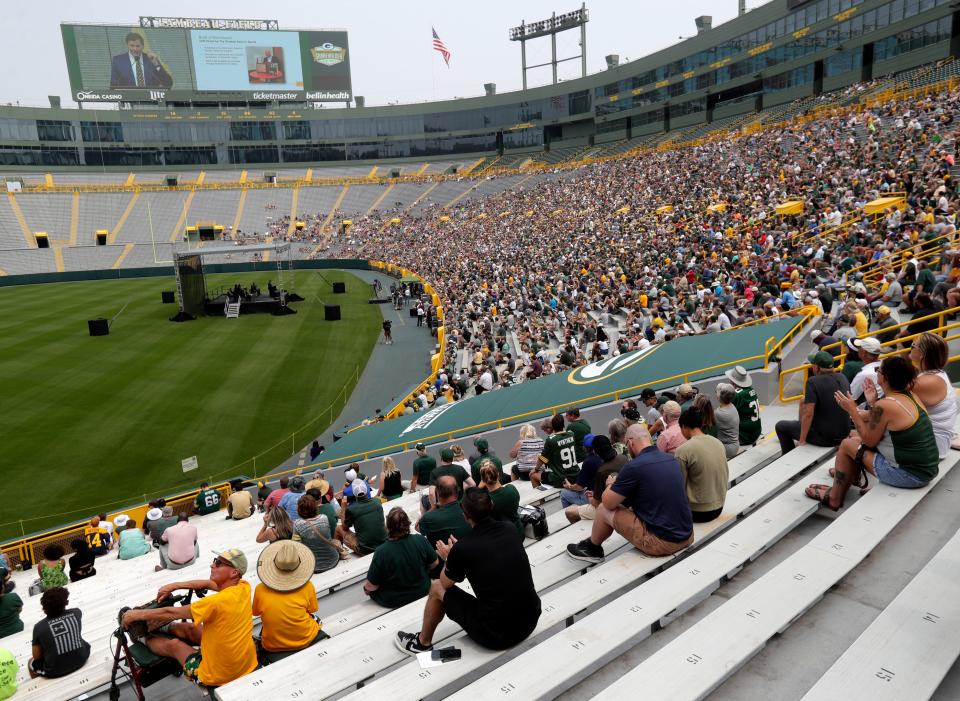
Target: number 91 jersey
{"type": "Point", "coordinates": [560, 457]}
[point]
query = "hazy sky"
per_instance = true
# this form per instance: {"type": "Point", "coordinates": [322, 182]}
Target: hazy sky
{"type": "Point", "coordinates": [392, 59]}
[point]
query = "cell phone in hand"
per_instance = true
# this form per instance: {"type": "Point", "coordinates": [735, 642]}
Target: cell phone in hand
{"type": "Point", "coordinates": [446, 654]}
{"type": "Point", "coordinates": [543, 487]}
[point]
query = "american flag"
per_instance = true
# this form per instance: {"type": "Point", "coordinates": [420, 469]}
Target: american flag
{"type": "Point", "coordinates": [438, 45]}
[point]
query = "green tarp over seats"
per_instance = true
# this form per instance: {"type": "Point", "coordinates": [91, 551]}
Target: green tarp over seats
{"type": "Point", "coordinates": [656, 367]}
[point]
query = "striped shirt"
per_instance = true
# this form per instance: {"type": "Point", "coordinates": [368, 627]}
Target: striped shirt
{"type": "Point", "coordinates": [529, 454]}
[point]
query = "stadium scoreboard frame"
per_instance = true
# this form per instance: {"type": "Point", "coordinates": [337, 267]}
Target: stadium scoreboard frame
{"type": "Point", "coordinates": [163, 59]}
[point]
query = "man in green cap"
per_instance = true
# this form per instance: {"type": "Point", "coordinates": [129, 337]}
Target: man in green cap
{"type": "Point", "coordinates": [446, 468]}
{"type": "Point", "coordinates": [822, 421]}
{"type": "Point", "coordinates": [483, 451]}
{"type": "Point", "coordinates": [222, 624]}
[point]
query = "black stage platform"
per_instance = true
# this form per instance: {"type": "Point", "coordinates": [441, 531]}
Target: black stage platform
{"type": "Point", "coordinates": [262, 304]}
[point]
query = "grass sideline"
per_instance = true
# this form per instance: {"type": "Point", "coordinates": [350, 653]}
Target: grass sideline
{"type": "Point", "coordinates": [90, 421]}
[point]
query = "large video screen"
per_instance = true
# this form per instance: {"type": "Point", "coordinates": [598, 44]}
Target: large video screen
{"type": "Point", "coordinates": [117, 63]}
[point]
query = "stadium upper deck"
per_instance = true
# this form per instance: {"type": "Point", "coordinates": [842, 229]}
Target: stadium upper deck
{"type": "Point", "coordinates": [772, 55]}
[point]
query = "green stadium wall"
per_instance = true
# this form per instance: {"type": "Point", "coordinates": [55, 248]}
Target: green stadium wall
{"type": "Point", "coordinates": [164, 271]}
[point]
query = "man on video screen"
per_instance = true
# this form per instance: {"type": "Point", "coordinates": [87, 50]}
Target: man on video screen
{"type": "Point", "coordinates": [136, 69]}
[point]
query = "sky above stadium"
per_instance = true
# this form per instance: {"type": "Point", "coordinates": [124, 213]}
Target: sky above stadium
{"type": "Point", "coordinates": [392, 57]}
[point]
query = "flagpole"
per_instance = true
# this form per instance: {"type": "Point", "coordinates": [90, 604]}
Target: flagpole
{"type": "Point", "coordinates": [433, 71]}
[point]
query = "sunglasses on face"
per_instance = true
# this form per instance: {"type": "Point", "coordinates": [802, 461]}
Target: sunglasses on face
{"type": "Point", "coordinates": [217, 562]}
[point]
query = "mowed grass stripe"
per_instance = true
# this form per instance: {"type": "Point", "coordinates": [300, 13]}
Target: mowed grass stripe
{"type": "Point", "coordinates": [110, 418]}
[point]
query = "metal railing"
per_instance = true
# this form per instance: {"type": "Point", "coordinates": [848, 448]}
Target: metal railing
{"type": "Point", "coordinates": [770, 348]}
{"type": "Point", "coordinates": [942, 327]}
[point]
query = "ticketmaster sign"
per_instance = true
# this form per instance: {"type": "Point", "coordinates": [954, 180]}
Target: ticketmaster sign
{"type": "Point", "coordinates": [657, 367]}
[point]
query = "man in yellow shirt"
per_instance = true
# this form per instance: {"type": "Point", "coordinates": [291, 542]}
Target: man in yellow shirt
{"type": "Point", "coordinates": [222, 624]}
{"type": "Point", "coordinates": [285, 600]}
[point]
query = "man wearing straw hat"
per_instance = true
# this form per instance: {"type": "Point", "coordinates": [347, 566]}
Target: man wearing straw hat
{"type": "Point", "coordinates": [747, 404]}
{"type": "Point", "coordinates": [285, 600]}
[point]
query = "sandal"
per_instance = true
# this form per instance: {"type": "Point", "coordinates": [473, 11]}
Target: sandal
{"type": "Point", "coordinates": [862, 484]}
{"type": "Point", "coordinates": [821, 493]}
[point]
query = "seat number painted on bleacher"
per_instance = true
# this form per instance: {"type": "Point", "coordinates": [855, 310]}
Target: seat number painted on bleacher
{"type": "Point", "coordinates": [507, 688]}
{"type": "Point", "coordinates": [885, 674]}
{"type": "Point", "coordinates": [694, 659]}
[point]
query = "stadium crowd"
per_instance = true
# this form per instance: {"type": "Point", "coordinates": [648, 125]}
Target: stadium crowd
{"type": "Point", "coordinates": [540, 269]}
{"type": "Point", "coordinates": [575, 249]}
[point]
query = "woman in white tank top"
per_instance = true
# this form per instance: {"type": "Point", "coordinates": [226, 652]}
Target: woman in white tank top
{"type": "Point", "coordinates": [929, 353]}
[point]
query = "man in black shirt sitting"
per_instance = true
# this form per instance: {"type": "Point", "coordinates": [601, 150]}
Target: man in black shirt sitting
{"type": "Point", "coordinates": [504, 608]}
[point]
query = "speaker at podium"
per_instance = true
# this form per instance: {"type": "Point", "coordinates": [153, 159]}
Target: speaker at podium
{"type": "Point", "coordinates": [331, 312]}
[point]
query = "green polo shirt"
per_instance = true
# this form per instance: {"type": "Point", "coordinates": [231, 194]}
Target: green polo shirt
{"type": "Point", "coordinates": [365, 516]}
{"type": "Point", "coordinates": [475, 468]}
{"type": "Point", "coordinates": [401, 568]}
{"type": "Point", "coordinates": [422, 467]}
{"type": "Point", "coordinates": [455, 471]}
{"type": "Point", "coordinates": [440, 524]}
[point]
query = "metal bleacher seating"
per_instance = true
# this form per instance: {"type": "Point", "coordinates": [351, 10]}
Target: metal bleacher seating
{"type": "Point", "coordinates": [49, 212]}
{"type": "Point", "coordinates": [316, 201]}
{"type": "Point", "coordinates": [120, 583]}
{"type": "Point", "coordinates": [344, 665]}
{"type": "Point", "coordinates": [626, 568]}
{"type": "Point", "coordinates": [255, 215]}
{"type": "Point", "coordinates": [359, 199]}
{"type": "Point", "coordinates": [101, 210]}
{"type": "Point", "coordinates": [700, 659]}
{"type": "Point", "coordinates": [910, 646]}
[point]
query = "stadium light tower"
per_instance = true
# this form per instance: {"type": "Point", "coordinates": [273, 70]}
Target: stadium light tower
{"type": "Point", "coordinates": [551, 27]}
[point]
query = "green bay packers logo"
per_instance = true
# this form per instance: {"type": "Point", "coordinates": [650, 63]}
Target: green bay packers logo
{"type": "Point", "coordinates": [328, 54]}
{"type": "Point", "coordinates": [605, 369]}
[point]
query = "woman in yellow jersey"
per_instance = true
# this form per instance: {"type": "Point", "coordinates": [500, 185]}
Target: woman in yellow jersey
{"type": "Point", "coordinates": [285, 600]}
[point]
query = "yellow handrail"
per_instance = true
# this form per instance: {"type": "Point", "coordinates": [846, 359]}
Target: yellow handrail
{"type": "Point", "coordinates": [942, 327]}
{"type": "Point", "coordinates": [549, 410]}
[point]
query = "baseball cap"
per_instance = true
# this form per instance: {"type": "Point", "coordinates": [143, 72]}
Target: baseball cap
{"type": "Point", "coordinates": [631, 414]}
{"type": "Point", "coordinates": [588, 440]}
{"type": "Point", "coordinates": [869, 344]}
{"type": "Point", "coordinates": [821, 359]}
{"type": "Point", "coordinates": [648, 394]}
{"type": "Point", "coordinates": [481, 444]}
{"type": "Point", "coordinates": [235, 557]}
{"type": "Point", "coordinates": [350, 475]}
{"type": "Point", "coordinates": [420, 446]}
{"type": "Point", "coordinates": [446, 455]}
{"type": "Point", "coordinates": [358, 487]}
{"type": "Point", "coordinates": [883, 309]}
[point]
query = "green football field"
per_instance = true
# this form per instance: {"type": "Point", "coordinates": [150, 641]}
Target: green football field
{"type": "Point", "coordinates": [94, 422]}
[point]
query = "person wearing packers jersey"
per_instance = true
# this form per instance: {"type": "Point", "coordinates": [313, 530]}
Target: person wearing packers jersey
{"type": "Point", "coordinates": [558, 461]}
{"type": "Point", "coordinates": [222, 624]}
{"type": "Point", "coordinates": [747, 404]}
